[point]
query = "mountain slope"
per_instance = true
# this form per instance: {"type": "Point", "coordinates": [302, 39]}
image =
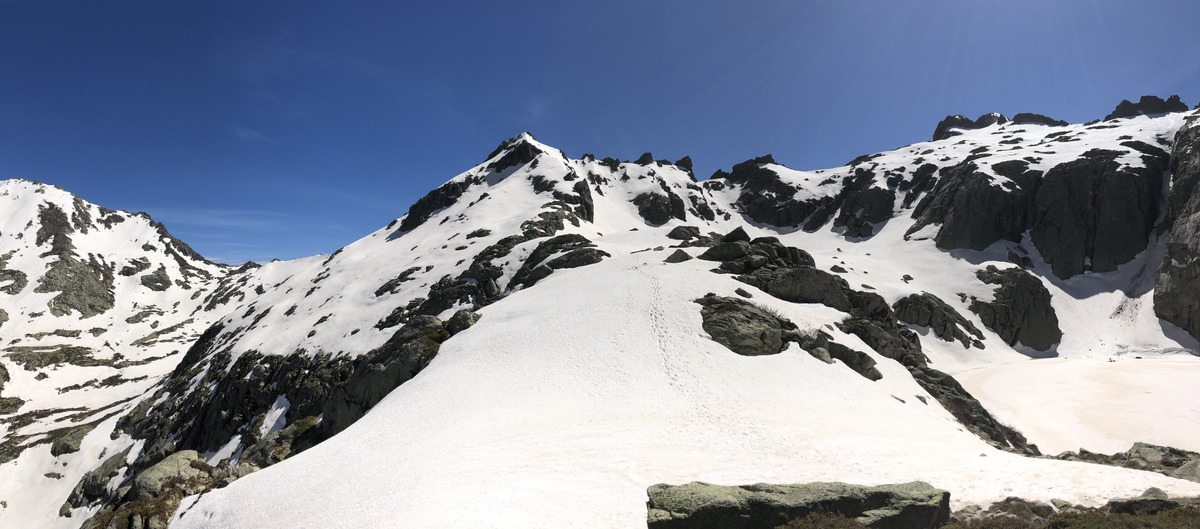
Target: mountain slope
{"type": "Point", "coordinates": [540, 332]}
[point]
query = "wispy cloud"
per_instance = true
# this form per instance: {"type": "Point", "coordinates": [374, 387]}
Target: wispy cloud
{"type": "Point", "coordinates": [247, 134]}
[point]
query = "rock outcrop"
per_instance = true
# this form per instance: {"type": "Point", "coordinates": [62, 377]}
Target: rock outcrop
{"type": "Point", "coordinates": [698, 505]}
{"type": "Point", "coordinates": [1147, 105]}
{"type": "Point", "coordinates": [972, 211]}
{"type": "Point", "coordinates": [1092, 214]}
{"type": "Point", "coordinates": [946, 127]}
{"type": "Point", "coordinates": [1021, 310]}
{"type": "Point", "coordinates": [1177, 282]}
{"type": "Point", "coordinates": [928, 310]}
{"type": "Point", "coordinates": [743, 327]}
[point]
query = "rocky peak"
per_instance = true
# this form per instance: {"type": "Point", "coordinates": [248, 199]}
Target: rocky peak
{"type": "Point", "coordinates": [1145, 106]}
{"type": "Point", "coordinates": [945, 128]}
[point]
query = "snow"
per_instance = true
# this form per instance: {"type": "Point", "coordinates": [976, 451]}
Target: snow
{"type": "Point", "coordinates": [543, 415]}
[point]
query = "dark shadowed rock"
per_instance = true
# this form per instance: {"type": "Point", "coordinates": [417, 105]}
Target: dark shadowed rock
{"type": "Point", "coordinates": [1177, 282]}
{"type": "Point", "coordinates": [678, 256]}
{"type": "Point", "coordinates": [973, 212]}
{"type": "Point", "coordinates": [1147, 105]}
{"type": "Point", "coordinates": [684, 233]}
{"type": "Point", "coordinates": [657, 208]}
{"type": "Point", "coordinates": [1025, 118]}
{"type": "Point", "coordinates": [1021, 310]}
{"type": "Point", "coordinates": [928, 310]}
{"type": "Point", "coordinates": [697, 505]}
{"type": "Point", "coordinates": [1090, 214]}
{"type": "Point", "coordinates": [946, 127]}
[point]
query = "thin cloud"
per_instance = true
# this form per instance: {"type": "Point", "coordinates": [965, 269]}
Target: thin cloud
{"type": "Point", "coordinates": [247, 134]}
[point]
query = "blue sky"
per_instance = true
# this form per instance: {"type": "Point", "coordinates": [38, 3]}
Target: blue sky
{"type": "Point", "coordinates": [259, 129]}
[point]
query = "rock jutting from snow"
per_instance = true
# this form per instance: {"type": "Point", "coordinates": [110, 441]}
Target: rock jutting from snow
{"type": "Point", "coordinates": [928, 310]}
{"type": "Point", "coordinates": [743, 327]}
{"type": "Point", "coordinates": [697, 505]}
{"type": "Point", "coordinates": [1145, 106]}
{"type": "Point", "coordinates": [1026, 118]}
{"type": "Point", "coordinates": [946, 127]}
{"type": "Point", "coordinates": [1021, 310]}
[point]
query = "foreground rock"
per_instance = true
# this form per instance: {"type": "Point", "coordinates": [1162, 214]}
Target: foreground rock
{"type": "Point", "coordinates": [699, 505]}
{"type": "Point", "coordinates": [1165, 460]}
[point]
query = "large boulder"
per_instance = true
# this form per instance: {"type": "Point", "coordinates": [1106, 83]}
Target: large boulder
{"type": "Point", "coordinates": [742, 327]}
{"type": "Point", "coordinates": [177, 466]}
{"type": "Point", "coordinates": [1021, 310]}
{"type": "Point", "coordinates": [698, 505]}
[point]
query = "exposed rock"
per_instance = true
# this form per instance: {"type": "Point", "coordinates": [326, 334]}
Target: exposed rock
{"type": "Point", "coordinates": [1021, 311]}
{"type": "Point", "coordinates": [520, 152]}
{"type": "Point", "coordinates": [461, 321]}
{"type": "Point", "coordinates": [1164, 460]}
{"type": "Point", "coordinates": [802, 285]}
{"type": "Point", "coordinates": [1147, 105]}
{"type": "Point", "coordinates": [946, 127]}
{"type": "Point", "coordinates": [973, 212]}
{"type": "Point", "coordinates": [577, 258]}
{"type": "Point", "coordinates": [1025, 118]}
{"type": "Point", "coordinates": [823, 348]}
{"type": "Point", "coordinates": [158, 280]}
{"type": "Point", "coordinates": [698, 505]}
{"type": "Point", "coordinates": [969, 412]}
{"type": "Point", "coordinates": [684, 233]}
{"type": "Point", "coordinates": [743, 327]}
{"type": "Point", "coordinates": [92, 485]}
{"type": "Point", "coordinates": [69, 442]}
{"type": "Point", "coordinates": [678, 256]}
{"type": "Point", "coordinates": [438, 199]}
{"type": "Point", "coordinates": [1092, 214]}
{"type": "Point", "coordinates": [1177, 282]}
{"type": "Point", "coordinates": [178, 465]}
{"type": "Point", "coordinates": [928, 310]}
{"type": "Point", "coordinates": [764, 197]}
{"type": "Point", "coordinates": [657, 208]}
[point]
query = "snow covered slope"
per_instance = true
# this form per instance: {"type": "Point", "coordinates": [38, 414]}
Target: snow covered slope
{"type": "Point", "coordinates": [534, 351]}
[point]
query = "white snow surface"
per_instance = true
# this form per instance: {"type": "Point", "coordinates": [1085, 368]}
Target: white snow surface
{"type": "Point", "coordinates": [546, 415]}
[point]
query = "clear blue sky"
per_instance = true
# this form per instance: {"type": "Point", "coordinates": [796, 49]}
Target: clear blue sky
{"type": "Point", "coordinates": [259, 130]}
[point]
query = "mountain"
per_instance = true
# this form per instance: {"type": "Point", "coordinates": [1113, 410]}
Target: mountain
{"type": "Point", "coordinates": [541, 338]}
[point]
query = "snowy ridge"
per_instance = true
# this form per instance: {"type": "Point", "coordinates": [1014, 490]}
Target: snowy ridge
{"type": "Point", "coordinates": [590, 368]}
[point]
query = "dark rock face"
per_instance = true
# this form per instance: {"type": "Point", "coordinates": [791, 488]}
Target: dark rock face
{"type": "Point", "coordinates": [684, 233]}
{"type": "Point", "coordinates": [973, 212]}
{"type": "Point", "coordinates": [697, 505]}
{"type": "Point", "coordinates": [678, 256]}
{"type": "Point", "coordinates": [520, 152]}
{"type": "Point", "coordinates": [945, 128]}
{"type": "Point", "coordinates": [1025, 118]}
{"type": "Point", "coordinates": [928, 310]}
{"type": "Point", "coordinates": [436, 200]}
{"type": "Point", "coordinates": [658, 208]}
{"type": "Point", "coordinates": [822, 347]}
{"type": "Point", "coordinates": [1090, 214]}
{"type": "Point", "coordinates": [580, 252]}
{"type": "Point", "coordinates": [863, 204]}
{"type": "Point", "coordinates": [1147, 105]}
{"type": "Point", "coordinates": [1177, 282]}
{"type": "Point", "coordinates": [764, 197]}
{"type": "Point", "coordinates": [1021, 310]}
{"type": "Point", "coordinates": [743, 327]}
